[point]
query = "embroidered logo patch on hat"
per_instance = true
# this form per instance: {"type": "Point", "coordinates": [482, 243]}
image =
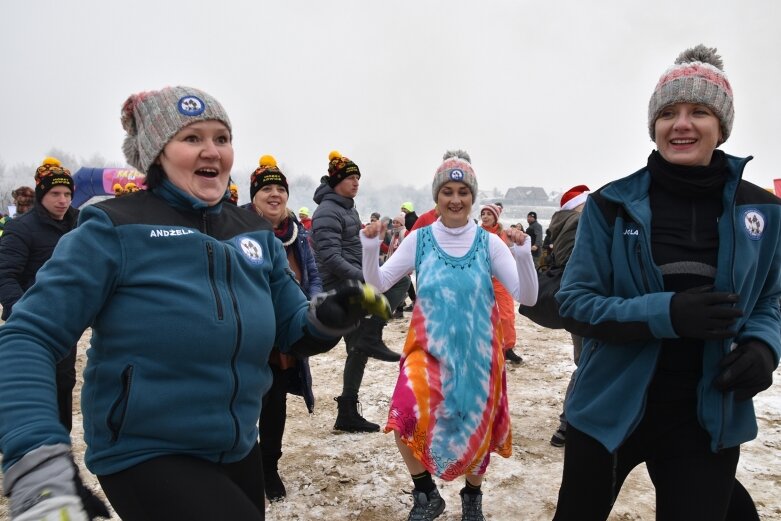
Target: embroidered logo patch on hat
{"type": "Point", "coordinates": [456, 175]}
{"type": "Point", "coordinates": [191, 106]}
{"type": "Point", "coordinates": [754, 222]}
{"type": "Point", "coordinates": [251, 249]}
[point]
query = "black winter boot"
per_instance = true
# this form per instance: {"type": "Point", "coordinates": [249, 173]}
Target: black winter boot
{"type": "Point", "coordinates": [471, 506]}
{"type": "Point", "coordinates": [371, 344]}
{"type": "Point", "coordinates": [348, 419]}
{"type": "Point", "coordinates": [426, 507]}
{"type": "Point", "coordinates": [272, 482]}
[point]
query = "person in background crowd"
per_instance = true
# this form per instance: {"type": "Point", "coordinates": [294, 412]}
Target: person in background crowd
{"type": "Point", "coordinates": [534, 230]}
{"type": "Point", "coordinates": [489, 217]}
{"type": "Point", "coordinates": [233, 190]}
{"type": "Point", "coordinates": [547, 250]}
{"type": "Point", "coordinates": [337, 246]}
{"type": "Point", "coordinates": [186, 296]}
{"type": "Point", "coordinates": [563, 225]}
{"type": "Point", "coordinates": [395, 234]}
{"type": "Point", "coordinates": [410, 216]}
{"type": "Point", "coordinates": [291, 374]}
{"type": "Point", "coordinates": [28, 242]}
{"type": "Point", "coordinates": [425, 219]}
{"type": "Point", "coordinates": [304, 218]}
{"type": "Point", "coordinates": [23, 198]}
{"type": "Point", "coordinates": [674, 284]}
{"type": "Point", "coordinates": [449, 416]}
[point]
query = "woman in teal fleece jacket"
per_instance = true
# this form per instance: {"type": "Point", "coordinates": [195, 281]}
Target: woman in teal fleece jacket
{"type": "Point", "coordinates": [186, 296]}
{"type": "Point", "coordinates": [674, 282]}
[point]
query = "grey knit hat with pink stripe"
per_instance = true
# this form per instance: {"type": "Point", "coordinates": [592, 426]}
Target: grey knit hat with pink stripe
{"type": "Point", "coordinates": [697, 77]}
{"type": "Point", "coordinates": [456, 166]}
{"type": "Point", "coordinates": [152, 118]}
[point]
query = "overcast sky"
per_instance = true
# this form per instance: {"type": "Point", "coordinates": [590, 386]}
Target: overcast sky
{"type": "Point", "coordinates": [546, 93]}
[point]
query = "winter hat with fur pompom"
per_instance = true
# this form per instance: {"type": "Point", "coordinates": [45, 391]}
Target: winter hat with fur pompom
{"type": "Point", "coordinates": [152, 118]}
{"type": "Point", "coordinates": [697, 77]}
{"type": "Point", "coordinates": [456, 166]}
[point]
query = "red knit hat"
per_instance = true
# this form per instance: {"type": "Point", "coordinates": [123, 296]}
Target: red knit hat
{"type": "Point", "coordinates": [574, 197]}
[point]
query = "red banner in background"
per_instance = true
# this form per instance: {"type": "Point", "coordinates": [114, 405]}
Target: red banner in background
{"type": "Point", "coordinates": [777, 186]}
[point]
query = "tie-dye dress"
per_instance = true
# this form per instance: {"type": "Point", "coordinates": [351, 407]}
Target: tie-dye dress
{"type": "Point", "coordinates": [450, 402]}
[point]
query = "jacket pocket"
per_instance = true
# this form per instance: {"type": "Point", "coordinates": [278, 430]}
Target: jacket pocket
{"type": "Point", "coordinates": [118, 410]}
{"type": "Point", "coordinates": [585, 357]}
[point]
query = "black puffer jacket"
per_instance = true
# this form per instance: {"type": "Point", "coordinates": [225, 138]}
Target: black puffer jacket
{"type": "Point", "coordinates": [335, 240]}
{"type": "Point", "coordinates": [26, 244]}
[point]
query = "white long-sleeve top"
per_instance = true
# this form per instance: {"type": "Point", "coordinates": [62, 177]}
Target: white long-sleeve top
{"type": "Point", "coordinates": [513, 266]}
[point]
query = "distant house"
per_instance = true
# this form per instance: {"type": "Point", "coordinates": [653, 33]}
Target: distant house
{"type": "Point", "coordinates": [527, 196]}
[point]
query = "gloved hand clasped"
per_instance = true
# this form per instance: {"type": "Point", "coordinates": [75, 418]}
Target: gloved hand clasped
{"type": "Point", "coordinates": [747, 370]}
{"type": "Point", "coordinates": [701, 313]}
{"type": "Point", "coordinates": [341, 309]}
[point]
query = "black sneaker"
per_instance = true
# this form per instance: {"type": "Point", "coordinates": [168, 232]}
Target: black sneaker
{"type": "Point", "coordinates": [426, 507]}
{"type": "Point", "coordinates": [512, 357]}
{"type": "Point", "coordinates": [559, 438]}
{"type": "Point", "coordinates": [398, 313]}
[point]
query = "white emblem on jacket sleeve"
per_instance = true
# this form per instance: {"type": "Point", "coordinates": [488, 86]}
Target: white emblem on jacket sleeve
{"type": "Point", "coordinates": [754, 222]}
{"type": "Point", "coordinates": [251, 249]}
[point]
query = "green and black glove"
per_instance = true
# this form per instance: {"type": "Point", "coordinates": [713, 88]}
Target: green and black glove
{"type": "Point", "coordinates": [338, 312]}
{"type": "Point", "coordinates": [45, 486]}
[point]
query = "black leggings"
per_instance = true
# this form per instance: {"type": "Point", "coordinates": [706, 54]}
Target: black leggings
{"type": "Point", "coordinates": [273, 416]}
{"type": "Point", "coordinates": [185, 487]}
{"type": "Point", "coordinates": [691, 481]}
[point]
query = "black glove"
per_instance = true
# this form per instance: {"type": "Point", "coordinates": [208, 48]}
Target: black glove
{"type": "Point", "coordinates": [93, 505]}
{"type": "Point", "coordinates": [700, 313]}
{"type": "Point", "coordinates": [343, 307]}
{"type": "Point", "coordinates": [747, 370]}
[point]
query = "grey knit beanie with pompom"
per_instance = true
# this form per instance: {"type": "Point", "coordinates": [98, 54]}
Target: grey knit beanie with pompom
{"type": "Point", "coordinates": [152, 118]}
{"type": "Point", "coordinates": [697, 77]}
{"type": "Point", "coordinates": [456, 166]}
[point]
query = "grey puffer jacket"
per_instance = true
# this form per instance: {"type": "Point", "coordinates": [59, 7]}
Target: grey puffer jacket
{"type": "Point", "coordinates": [335, 237]}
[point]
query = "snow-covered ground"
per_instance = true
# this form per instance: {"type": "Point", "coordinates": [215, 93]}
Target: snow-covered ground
{"type": "Point", "coordinates": [333, 476]}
